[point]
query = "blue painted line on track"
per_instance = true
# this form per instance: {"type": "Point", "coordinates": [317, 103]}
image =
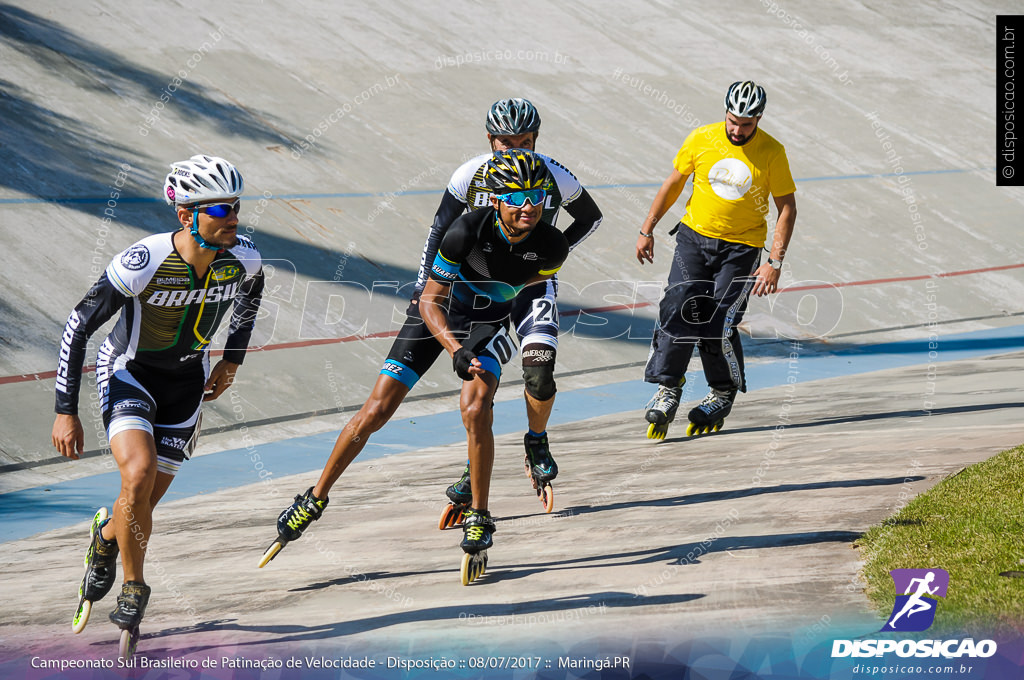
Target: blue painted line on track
{"type": "Point", "coordinates": [31, 511]}
{"type": "Point", "coordinates": [90, 200]}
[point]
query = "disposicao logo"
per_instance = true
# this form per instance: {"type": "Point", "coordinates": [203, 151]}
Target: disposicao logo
{"type": "Point", "coordinates": [914, 611]}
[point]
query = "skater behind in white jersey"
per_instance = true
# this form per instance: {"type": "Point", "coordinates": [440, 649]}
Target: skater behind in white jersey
{"type": "Point", "coordinates": [153, 370]}
{"type": "Point", "coordinates": [735, 165]}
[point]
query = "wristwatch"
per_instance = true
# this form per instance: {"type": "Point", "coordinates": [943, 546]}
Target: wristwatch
{"type": "Point", "coordinates": [775, 264]}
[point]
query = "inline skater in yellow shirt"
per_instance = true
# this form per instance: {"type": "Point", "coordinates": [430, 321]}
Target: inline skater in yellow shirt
{"type": "Point", "coordinates": [716, 265]}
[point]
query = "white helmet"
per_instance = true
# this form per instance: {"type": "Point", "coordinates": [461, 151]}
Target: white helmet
{"type": "Point", "coordinates": [745, 99]}
{"type": "Point", "coordinates": [202, 178]}
{"type": "Point", "coordinates": [515, 116]}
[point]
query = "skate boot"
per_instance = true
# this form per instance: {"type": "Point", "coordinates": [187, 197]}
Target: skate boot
{"type": "Point", "coordinates": [460, 494]}
{"type": "Point", "coordinates": [100, 571]}
{"type": "Point", "coordinates": [131, 607]}
{"type": "Point", "coordinates": [540, 468]}
{"type": "Point", "coordinates": [478, 529]}
{"type": "Point", "coordinates": [295, 519]}
{"type": "Point", "coordinates": [661, 410]}
{"type": "Point", "coordinates": [709, 415]}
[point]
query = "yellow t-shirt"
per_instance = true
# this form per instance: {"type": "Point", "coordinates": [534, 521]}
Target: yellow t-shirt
{"type": "Point", "coordinates": [731, 183]}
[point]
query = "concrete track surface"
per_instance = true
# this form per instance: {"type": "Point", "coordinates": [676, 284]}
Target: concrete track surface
{"type": "Point", "coordinates": [346, 120]}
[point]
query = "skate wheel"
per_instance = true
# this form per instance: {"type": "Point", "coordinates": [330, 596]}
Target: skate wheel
{"type": "Point", "coordinates": [448, 516]}
{"type": "Point", "coordinates": [547, 497]}
{"type": "Point", "coordinates": [473, 567]}
{"type": "Point", "coordinates": [692, 429]}
{"type": "Point", "coordinates": [271, 553]}
{"type": "Point", "coordinates": [81, 617]}
{"type": "Point", "coordinates": [100, 517]}
{"type": "Point", "coordinates": [526, 467]}
{"type": "Point", "coordinates": [718, 426]}
{"type": "Point", "coordinates": [655, 431]}
{"type": "Point", "coordinates": [129, 639]}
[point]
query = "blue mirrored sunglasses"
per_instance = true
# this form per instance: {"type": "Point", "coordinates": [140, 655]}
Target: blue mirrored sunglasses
{"type": "Point", "coordinates": [518, 199]}
{"type": "Point", "coordinates": [219, 209]}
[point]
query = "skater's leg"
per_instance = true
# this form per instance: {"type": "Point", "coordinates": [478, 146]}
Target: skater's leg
{"type": "Point", "coordinates": [384, 400]}
{"type": "Point", "coordinates": [476, 403]}
{"type": "Point", "coordinates": [539, 375]}
{"type": "Point", "coordinates": [160, 486]}
{"type": "Point", "coordinates": [683, 312]}
{"type": "Point", "coordinates": [135, 453]}
{"type": "Point", "coordinates": [538, 412]}
{"type": "Point", "coordinates": [413, 352]}
{"type": "Point", "coordinates": [721, 351]}
{"type": "Point", "coordinates": [535, 313]}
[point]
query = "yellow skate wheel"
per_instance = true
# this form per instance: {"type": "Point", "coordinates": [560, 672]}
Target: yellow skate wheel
{"type": "Point", "coordinates": [547, 497]}
{"type": "Point", "coordinates": [655, 431]}
{"type": "Point", "coordinates": [718, 425]}
{"type": "Point", "coordinates": [271, 553]}
{"type": "Point", "coordinates": [473, 567]}
{"type": "Point", "coordinates": [692, 429]}
{"type": "Point", "coordinates": [81, 617]}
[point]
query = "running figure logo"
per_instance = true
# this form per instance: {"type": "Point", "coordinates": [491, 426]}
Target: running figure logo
{"type": "Point", "coordinates": [914, 610]}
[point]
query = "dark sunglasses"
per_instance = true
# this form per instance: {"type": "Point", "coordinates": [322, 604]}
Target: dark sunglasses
{"type": "Point", "coordinates": [517, 199]}
{"type": "Point", "coordinates": [219, 209]}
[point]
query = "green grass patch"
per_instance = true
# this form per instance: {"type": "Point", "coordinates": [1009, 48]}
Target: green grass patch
{"type": "Point", "coordinates": [972, 525]}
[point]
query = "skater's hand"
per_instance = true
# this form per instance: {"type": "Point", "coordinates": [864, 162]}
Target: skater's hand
{"type": "Point", "coordinates": [221, 377]}
{"type": "Point", "coordinates": [645, 248]}
{"type": "Point", "coordinates": [68, 436]}
{"type": "Point", "coordinates": [466, 364]}
{"type": "Point", "coordinates": [767, 280]}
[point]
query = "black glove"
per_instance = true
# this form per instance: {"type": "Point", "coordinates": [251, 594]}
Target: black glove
{"type": "Point", "coordinates": [462, 360]}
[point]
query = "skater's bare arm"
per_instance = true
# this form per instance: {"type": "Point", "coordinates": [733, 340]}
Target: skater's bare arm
{"type": "Point", "coordinates": [767, 276]}
{"type": "Point", "coordinates": [668, 194]}
{"type": "Point", "coordinates": [221, 377]}
{"type": "Point", "coordinates": [68, 436]}
{"type": "Point", "coordinates": [431, 308]}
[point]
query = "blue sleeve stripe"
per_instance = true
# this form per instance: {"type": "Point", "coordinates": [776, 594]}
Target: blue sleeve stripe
{"type": "Point", "coordinates": [490, 364]}
{"type": "Point", "coordinates": [445, 268]}
{"type": "Point", "coordinates": [400, 372]}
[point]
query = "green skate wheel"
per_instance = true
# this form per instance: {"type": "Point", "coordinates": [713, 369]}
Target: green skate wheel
{"type": "Point", "coordinates": [100, 517]}
{"type": "Point", "coordinates": [81, 616]}
{"type": "Point", "coordinates": [129, 640]}
{"type": "Point", "coordinates": [270, 554]}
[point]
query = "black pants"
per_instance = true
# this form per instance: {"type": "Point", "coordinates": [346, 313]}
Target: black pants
{"type": "Point", "coordinates": [706, 296]}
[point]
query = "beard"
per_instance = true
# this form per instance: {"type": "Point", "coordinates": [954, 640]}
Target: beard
{"type": "Point", "coordinates": [738, 140]}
